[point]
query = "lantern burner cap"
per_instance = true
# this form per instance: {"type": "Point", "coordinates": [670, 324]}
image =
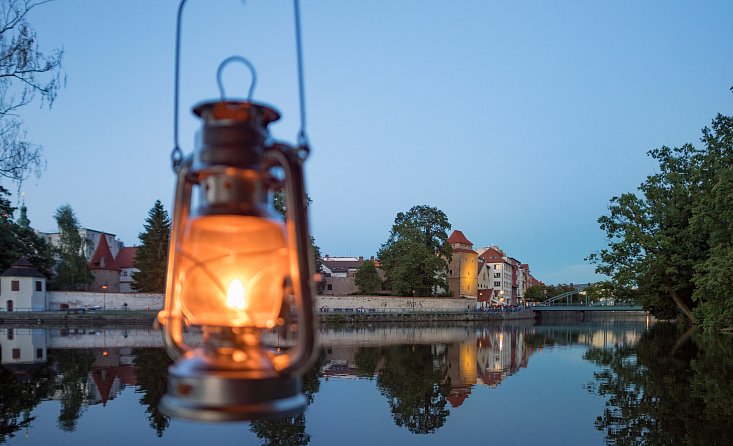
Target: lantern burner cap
{"type": "Point", "coordinates": [236, 111]}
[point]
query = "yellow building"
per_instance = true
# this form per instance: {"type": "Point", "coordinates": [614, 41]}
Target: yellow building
{"type": "Point", "coordinates": [463, 268]}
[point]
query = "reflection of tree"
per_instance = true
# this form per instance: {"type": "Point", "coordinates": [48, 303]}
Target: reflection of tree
{"type": "Point", "coordinates": [416, 387]}
{"type": "Point", "coordinates": [290, 431]}
{"type": "Point", "coordinates": [151, 370]}
{"type": "Point", "coordinates": [20, 393]}
{"type": "Point", "coordinates": [74, 367]}
{"type": "Point", "coordinates": [367, 361]}
{"type": "Point", "coordinates": [663, 393]}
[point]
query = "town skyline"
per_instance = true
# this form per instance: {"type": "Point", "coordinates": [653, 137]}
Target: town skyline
{"type": "Point", "coordinates": [519, 122]}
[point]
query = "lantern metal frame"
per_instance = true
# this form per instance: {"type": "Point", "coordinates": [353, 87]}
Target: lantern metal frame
{"type": "Point", "coordinates": [204, 385]}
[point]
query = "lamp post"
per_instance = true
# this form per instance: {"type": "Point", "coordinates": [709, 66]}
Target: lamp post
{"type": "Point", "coordinates": [235, 270]}
{"type": "Point", "coordinates": [104, 296]}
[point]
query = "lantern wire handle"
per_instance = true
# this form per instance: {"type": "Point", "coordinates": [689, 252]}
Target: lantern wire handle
{"type": "Point", "coordinates": [249, 65]}
{"type": "Point", "coordinates": [303, 144]}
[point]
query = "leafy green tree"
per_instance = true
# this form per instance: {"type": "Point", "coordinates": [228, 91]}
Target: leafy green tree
{"type": "Point", "coordinates": [26, 73]}
{"type": "Point", "coordinates": [72, 269]}
{"type": "Point", "coordinates": [18, 241]}
{"type": "Point", "coordinates": [367, 278]}
{"type": "Point", "coordinates": [416, 253]}
{"type": "Point", "coordinates": [652, 246]}
{"type": "Point", "coordinates": [535, 293]}
{"type": "Point", "coordinates": [713, 214]}
{"type": "Point", "coordinates": [151, 257]}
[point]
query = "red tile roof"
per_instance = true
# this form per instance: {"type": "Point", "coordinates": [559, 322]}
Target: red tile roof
{"type": "Point", "coordinates": [125, 257]}
{"type": "Point", "coordinates": [458, 237]}
{"type": "Point", "coordinates": [102, 257]}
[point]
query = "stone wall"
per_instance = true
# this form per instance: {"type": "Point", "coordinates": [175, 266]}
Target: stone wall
{"type": "Point", "coordinates": [109, 301]}
{"type": "Point", "coordinates": [143, 301]}
{"type": "Point", "coordinates": [392, 303]}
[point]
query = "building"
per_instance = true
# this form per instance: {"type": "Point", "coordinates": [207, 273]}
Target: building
{"type": "Point", "coordinates": [125, 261]}
{"type": "Point", "coordinates": [91, 239]}
{"type": "Point", "coordinates": [463, 268]}
{"type": "Point", "coordinates": [22, 288]}
{"type": "Point", "coordinates": [104, 269]}
{"type": "Point", "coordinates": [500, 271]}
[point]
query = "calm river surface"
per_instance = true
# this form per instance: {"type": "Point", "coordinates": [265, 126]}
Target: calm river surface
{"type": "Point", "coordinates": [622, 381]}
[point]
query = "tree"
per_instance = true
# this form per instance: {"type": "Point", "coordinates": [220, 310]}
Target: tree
{"type": "Point", "coordinates": [367, 278]}
{"type": "Point", "coordinates": [712, 216]}
{"type": "Point", "coordinates": [72, 270]}
{"type": "Point", "coordinates": [651, 244]}
{"type": "Point", "coordinates": [26, 73]}
{"type": "Point", "coordinates": [416, 253]}
{"type": "Point", "coordinates": [151, 257]}
{"type": "Point", "coordinates": [535, 293]}
{"type": "Point", "coordinates": [18, 241]}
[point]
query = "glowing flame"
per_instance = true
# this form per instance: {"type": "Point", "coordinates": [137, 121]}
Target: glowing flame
{"type": "Point", "coordinates": [235, 295]}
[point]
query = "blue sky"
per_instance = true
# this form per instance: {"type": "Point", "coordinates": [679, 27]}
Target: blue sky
{"type": "Point", "coordinates": [519, 120]}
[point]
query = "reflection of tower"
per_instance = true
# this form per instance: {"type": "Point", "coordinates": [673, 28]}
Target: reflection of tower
{"type": "Point", "coordinates": [461, 371]}
{"type": "Point", "coordinates": [112, 371]}
{"type": "Point", "coordinates": [22, 346]}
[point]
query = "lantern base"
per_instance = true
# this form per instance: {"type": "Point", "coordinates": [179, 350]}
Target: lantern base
{"type": "Point", "coordinates": [224, 395]}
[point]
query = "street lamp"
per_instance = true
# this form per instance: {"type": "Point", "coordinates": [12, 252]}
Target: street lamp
{"type": "Point", "coordinates": [235, 269]}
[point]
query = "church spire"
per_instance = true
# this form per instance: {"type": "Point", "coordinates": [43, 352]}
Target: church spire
{"type": "Point", "coordinates": [23, 219]}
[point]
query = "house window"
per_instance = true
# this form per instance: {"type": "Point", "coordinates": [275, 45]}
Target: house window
{"type": "Point", "coordinates": [11, 334]}
{"type": "Point", "coordinates": [124, 273]}
{"type": "Point", "coordinates": [39, 353]}
{"type": "Point", "coordinates": [39, 285]}
{"type": "Point", "coordinates": [16, 353]}
{"type": "Point", "coordinates": [496, 275]}
{"type": "Point", "coordinates": [497, 283]}
{"type": "Point", "coordinates": [329, 287]}
{"type": "Point", "coordinates": [15, 285]}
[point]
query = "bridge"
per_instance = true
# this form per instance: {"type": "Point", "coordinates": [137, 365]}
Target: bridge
{"type": "Point", "coordinates": [565, 302]}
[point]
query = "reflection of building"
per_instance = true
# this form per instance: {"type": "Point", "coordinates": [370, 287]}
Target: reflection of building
{"type": "Point", "coordinates": [22, 288]}
{"type": "Point", "coordinates": [461, 371]}
{"type": "Point", "coordinates": [500, 354]}
{"type": "Point", "coordinates": [112, 371]}
{"type": "Point", "coordinates": [22, 346]}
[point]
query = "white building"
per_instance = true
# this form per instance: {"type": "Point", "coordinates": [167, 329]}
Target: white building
{"type": "Point", "coordinates": [22, 288]}
{"type": "Point", "coordinates": [91, 239]}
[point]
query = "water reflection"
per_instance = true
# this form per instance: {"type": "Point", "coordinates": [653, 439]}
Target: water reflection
{"type": "Point", "coordinates": [668, 389]}
{"type": "Point", "coordinates": [659, 386]}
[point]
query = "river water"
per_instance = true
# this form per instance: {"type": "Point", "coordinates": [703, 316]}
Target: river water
{"type": "Point", "coordinates": [613, 381]}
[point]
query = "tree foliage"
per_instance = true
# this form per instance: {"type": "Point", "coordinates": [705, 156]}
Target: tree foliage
{"type": "Point", "coordinates": [151, 257]}
{"type": "Point", "coordinates": [367, 278]}
{"type": "Point", "coordinates": [671, 241]}
{"type": "Point", "coordinates": [26, 73]}
{"type": "Point", "coordinates": [18, 241]}
{"type": "Point", "coordinates": [416, 253]}
{"type": "Point", "coordinates": [72, 269]}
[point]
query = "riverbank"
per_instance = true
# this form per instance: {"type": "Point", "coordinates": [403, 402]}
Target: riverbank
{"type": "Point", "coordinates": [142, 317]}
